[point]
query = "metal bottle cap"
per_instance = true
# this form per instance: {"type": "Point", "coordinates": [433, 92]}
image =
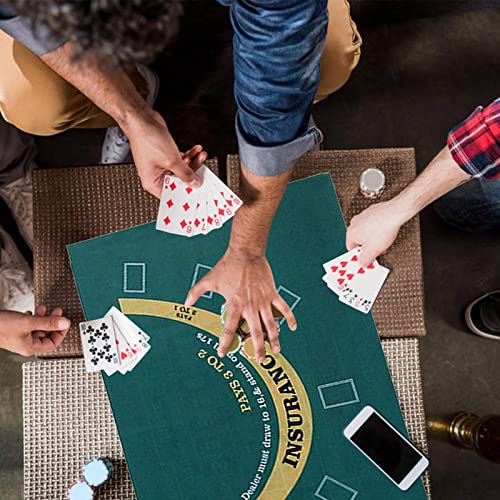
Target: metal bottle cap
{"type": "Point", "coordinates": [372, 182]}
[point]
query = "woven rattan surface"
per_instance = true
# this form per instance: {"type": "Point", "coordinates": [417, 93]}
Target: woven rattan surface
{"type": "Point", "coordinates": [399, 309]}
{"type": "Point", "coordinates": [67, 420]}
{"type": "Point", "coordinates": [75, 204]}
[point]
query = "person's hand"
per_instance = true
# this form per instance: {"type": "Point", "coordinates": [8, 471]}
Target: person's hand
{"type": "Point", "coordinates": [32, 335]}
{"type": "Point", "coordinates": [155, 153]}
{"type": "Point", "coordinates": [247, 284]}
{"type": "Point", "coordinates": [375, 229]}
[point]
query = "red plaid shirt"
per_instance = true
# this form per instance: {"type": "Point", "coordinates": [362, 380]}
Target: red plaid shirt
{"type": "Point", "coordinates": [475, 143]}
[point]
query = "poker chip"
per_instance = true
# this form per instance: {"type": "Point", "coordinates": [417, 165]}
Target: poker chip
{"type": "Point", "coordinates": [372, 183]}
{"type": "Point", "coordinates": [80, 490]}
{"type": "Point", "coordinates": [97, 471]}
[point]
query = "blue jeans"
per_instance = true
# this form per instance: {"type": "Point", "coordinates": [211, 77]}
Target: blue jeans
{"type": "Point", "coordinates": [473, 207]}
{"type": "Point", "coordinates": [277, 48]}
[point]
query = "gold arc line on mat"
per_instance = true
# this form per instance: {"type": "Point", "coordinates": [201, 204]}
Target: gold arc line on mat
{"type": "Point", "coordinates": [283, 477]}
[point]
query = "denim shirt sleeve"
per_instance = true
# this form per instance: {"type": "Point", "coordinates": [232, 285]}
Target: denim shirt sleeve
{"type": "Point", "coordinates": [277, 51]}
{"type": "Point", "coordinates": [38, 38]}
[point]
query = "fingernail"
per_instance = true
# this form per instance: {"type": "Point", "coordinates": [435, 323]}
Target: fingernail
{"type": "Point", "coordinates": [294, 327]}
{"type": "Point", "coordinates": [195, 183]}
{"type": "Point", "coordinates": [63, 324]}
{"type": "Point", "coordinates": [220, 354]}
{"type": "Point", "coordinates": [260, 359]}
{"type": "Point", "coordinates": [276, 349]}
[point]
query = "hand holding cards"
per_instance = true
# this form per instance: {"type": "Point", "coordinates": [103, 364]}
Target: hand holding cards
{"type": "Point", "coordinates": [356, 286]}
{"type": "Point", "coordinates": [113, 343]}
{"type": "Point", "coordinates": [188, 212]}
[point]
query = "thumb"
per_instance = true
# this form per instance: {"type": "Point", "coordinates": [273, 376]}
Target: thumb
{"type": "Point", "coordinates": [349, 242]}
{"type": "Point", "coordinates": [48, 323]}
{"type": "Point", "coordinates": [368, 255]}
{"type": "Point", "coordinates": [186, 175]}
{"type": "Point", "coordinates": [197, 291]}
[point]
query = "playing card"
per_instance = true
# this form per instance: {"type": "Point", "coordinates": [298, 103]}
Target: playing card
{"type": "Point", "coordinates": [133, 335]}
{"type": "Point", "coordinates": [188, 212]}
{"type": "Point", "coordinates": [99, 345]}
{"type": "Point", "coordinates": [331, 282]}
{"type": "Point", "coordinates": [177, 212]}
{"type": "Point", "coordinates": [224, 201]}
{"type": "Point", "coordinates": [343, 269]}
{"type": "Point", "coordinates": [204, 196]}
{"type": "Point", "coordinates": [125, 352]}
{"type": "Point", "coordinates": [362, 291]}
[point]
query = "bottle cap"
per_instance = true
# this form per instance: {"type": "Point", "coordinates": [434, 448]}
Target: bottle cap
{"type": "Point", "coordinates": [97, 471]}
{"type": "Point", "coordinates": [80, 490]}
{"type": "Point", "coordinates": [372, 182]}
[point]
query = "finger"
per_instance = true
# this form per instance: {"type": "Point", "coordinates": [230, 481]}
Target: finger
{"type": "Point", "coordinates": [41, 310]}
{"type": "Point", "coordinates": [368, 255]}
{"type": "Point", "coordinates": [349, 242]}
{"type": "Point", "coordinates": [231, 322]}
{"type": "Point", "coordinates": [280, 304]}
{"type": "Point", "coordinates": [57, 312]}
{"type": "Point", "coordinates": [48, 323]}
{"type": "Point", "coordinates": [257, 336]}
{"type": "Point", "coordinates": [197, 290]}
{"type": "Point", "coordinates": [272, 330]}
{"type": "Point", "coordinates": [48, 343]}
{"type": "Point", "coordinates": [199, 160]}
{"type": "Point", "coordinates": [39, 335]}
{"type": "Point", "coordinates": [191, 153]}
{"type": "Point", "coordinates": [186, 174]}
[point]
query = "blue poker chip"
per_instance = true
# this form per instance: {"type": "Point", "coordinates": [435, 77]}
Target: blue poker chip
{"type": "Point", "coordinates": [80, 490]}
{"type": "Point", "coordinates": [97, 471]}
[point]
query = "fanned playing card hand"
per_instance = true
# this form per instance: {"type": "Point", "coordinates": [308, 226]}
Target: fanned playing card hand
{"type": "Point", "coordinates": [113, 343]}
{"type": "Point", "coordinates": [188, 212]}
{"type": "Point", "coordinates": [355, 285]}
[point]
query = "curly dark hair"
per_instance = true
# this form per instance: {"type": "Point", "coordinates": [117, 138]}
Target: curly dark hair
{"type": "Point", "coordinates": [124, 31]}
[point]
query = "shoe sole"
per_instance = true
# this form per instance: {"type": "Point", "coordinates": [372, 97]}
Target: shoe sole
{"type": "Point", "coordinates": [470, 324]}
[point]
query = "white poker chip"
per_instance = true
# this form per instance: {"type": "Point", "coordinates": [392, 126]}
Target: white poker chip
{"type": "Point", "coordinates": [80, 491]}
{"type": "Point", "coordinates": [97, 471]}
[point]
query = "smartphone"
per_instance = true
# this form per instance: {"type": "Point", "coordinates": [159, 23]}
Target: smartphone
{"type": "Point", "coordinates": [386, 448]}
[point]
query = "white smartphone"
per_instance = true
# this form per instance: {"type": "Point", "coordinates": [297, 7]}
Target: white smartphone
{"type": "Point", "coordinates": [386, 448]}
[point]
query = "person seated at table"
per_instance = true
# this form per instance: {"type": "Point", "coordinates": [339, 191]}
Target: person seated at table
{"type": "Point", "coordinates": [20, 331]}
{"type": "Point", "coordinates": [287, 55]}
{"type": "Point", "coordinates": [466, 174]}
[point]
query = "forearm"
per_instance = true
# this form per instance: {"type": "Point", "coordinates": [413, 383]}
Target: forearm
{"type": "Point", "coordinates": [440, 176]}
{"type": "Point", "coordinates": [252, 222]}
{"type": "Point", "coordinates": [107, 86]}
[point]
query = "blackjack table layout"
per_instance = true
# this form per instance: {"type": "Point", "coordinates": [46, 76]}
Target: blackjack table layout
{"type": "Point", "coordinates": [193, 425]}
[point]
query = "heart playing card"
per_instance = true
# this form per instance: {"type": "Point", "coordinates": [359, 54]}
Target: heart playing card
{"type": "Point", "coordinates": [363, 290]}
{"type": "Point", "coordinates": [343, 269]}
{"type": "Point", "coordinates": [133, 336]}
{"type": "Point", "coordinates": [355, 285]}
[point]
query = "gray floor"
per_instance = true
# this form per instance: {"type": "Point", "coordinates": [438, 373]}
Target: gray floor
{"type": "Point", "coordinates": [425, 66]}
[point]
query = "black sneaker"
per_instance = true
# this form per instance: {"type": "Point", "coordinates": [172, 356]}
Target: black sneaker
{"type": "Point", "coordinates": [483, 315]}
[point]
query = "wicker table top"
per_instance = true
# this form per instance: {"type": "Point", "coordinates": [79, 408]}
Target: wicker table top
{"type": "Point", "coordinates": [68, 419]}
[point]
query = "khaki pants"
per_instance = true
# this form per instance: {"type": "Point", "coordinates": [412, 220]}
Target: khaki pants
{"type": "Point", "coordinates": [37, 100]}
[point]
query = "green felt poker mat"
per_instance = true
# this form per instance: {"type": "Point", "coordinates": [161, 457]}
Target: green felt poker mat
{"type": "Point", "coordinates": [232, 428]}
